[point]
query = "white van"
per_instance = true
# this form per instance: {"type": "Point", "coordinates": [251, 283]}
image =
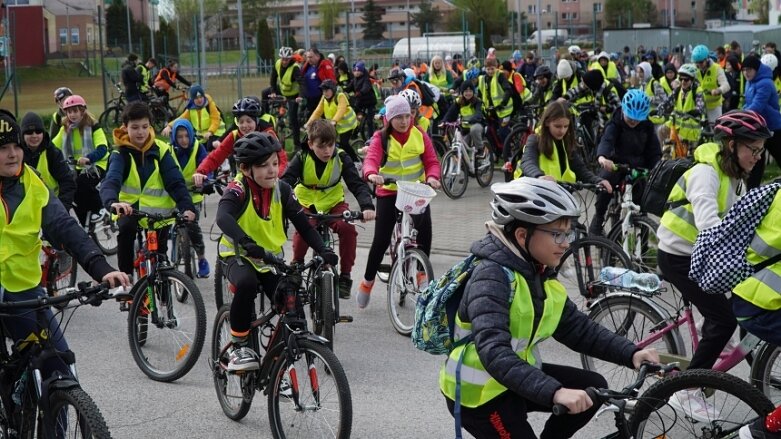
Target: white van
{"type": "Point", "coordinates": [548, 35]}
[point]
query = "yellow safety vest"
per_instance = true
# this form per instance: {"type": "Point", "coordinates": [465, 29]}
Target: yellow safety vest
{"type": "Point", "coordinates": [404, 162]}
{"type": "Point", "coordinates": [268, 233]}
{"type": "Point", "coordinates": [439, 80]}
{"type": "Point", "coordinates": [477, 385]}
{"type": "Point", "coordinates": [466, 112]}
{"type": "Point", "coordinates": [680, 219]}
{"type": "Point", "coordinates": [287, 86]}
{"type": "Point", "coordinates": [551, 166]}
{"type": "Point", "coordinates": [708, 82]}
{"type": "Point", "coordinates": [496, 94]}
{"type": "Point", "coordinates": [43, 171]}
{"type": "Point", "coordinates": [776, 82]}
{"type": "Point", "coordinates": [324, 192]}
{"type": "Point", "coordinates": [98, 138]}
{"type": "Point", "coordinates": [144, 87]}
{"type": "Point", "coordinates": [189, 170]}
{"type": "Point", "coordinates": [423, 123]}
{"type": "Point", "coordinates": [612, 70]}
{"type": "Point", "coordinates": [763, 288]}
{"type": "Point", "coordinates": [20, 235]}
{"type": "Point", "coordinates": [347, 122]}
{"type": "Point", "coordinates": [201, 120]}
{"type": "Point", "coordinates": [152, 197]}
{"type": "Point", "coordinates": [688, 127]}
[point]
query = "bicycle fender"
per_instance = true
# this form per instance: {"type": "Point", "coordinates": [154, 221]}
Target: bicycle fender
{"type": "Point", "coordinates": [57, 381]}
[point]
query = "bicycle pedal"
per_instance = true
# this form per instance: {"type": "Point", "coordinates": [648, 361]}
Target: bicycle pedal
{"type": "Point", "coordinates": [345, 319]}
{"type": "Point", "coordinates": [124, 305]}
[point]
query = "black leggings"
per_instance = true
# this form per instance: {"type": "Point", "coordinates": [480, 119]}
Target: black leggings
{"type": "Point", "coordinates": [126, 236]}
{"type": "Point", "coordinates": [245, 279]}
{"type": "Point", "coordinates": [383, 230]}
{"type": "Point", "coordinates": [505, 415]}
{"type": "Point", "coordinates": [87, 197]}
{"type": "Point", "coordinates": [720, 322]}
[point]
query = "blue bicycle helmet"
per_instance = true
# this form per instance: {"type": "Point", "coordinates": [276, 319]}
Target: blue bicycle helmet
{"type": "Point", "coordinates": [636, 105]}
{"type": "Point", "coordinates": [700, 53]}
{"type": "Point", "coordinates": [472, 73]}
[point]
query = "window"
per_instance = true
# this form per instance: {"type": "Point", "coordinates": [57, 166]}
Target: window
{"type": "Point", "coordinates": [569, 15]}
{"type": "Point", "coordinates": [597, 7]}
{"type": "Point", "coordinates": [63, 36]}
{"type": "Point", "coordinates": [532, 9]}
{"type": "Point", "coordinates": [74, 36]}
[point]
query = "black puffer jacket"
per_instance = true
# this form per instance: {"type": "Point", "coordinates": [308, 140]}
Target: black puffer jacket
{"type": "Point", "coordinates": [486, 305]}
{"type": "Point", "coordinates": [638, 147]}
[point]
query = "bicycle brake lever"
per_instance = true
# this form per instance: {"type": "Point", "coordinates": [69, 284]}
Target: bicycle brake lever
{"type": "Point", "coordinates": [612, 408]}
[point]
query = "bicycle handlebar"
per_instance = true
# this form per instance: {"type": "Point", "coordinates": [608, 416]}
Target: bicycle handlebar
{"type": "Point", "coordinates": [86, 294]}
{"type": "Point", "coordinates": [155, 217]}
{"type": "Point", "coordinates": [347, 215]}
{"type": "Point", "coordinates": [573, 187]}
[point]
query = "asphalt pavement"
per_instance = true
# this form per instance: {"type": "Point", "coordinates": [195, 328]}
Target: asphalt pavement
{"type": "Point", "coordinates": [394, 387]}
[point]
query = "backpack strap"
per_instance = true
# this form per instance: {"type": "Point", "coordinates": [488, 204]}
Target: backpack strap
{"type": "Point", "coordinates": [384, 141]}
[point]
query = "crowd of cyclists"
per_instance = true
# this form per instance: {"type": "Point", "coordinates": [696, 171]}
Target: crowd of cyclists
{"type": "Point", "coordinates": [719, 107]}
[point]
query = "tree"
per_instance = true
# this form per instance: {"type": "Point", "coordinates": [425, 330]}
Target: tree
{"type": "Point", "coordinates": [719, 9]}
{"type": "Point", "coordinates": [427, 16]}
{"type": "Point", "coordinates": [264, 46]}
{"type": "Point", "coordinates": [761, 8]}
{"type": "Point", "coordinates": [116, 25]}
{"type": "Point", "coordinates": [622, 13]}
{"type": "Point", "coordinates": [330, 10]}
{"type": "Point", "coordinates": [372, 15]}
{"type": "Point", "coordinates": [492, 14]}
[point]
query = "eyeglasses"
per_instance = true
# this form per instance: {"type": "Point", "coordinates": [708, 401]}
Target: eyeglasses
{"type": "Point", "coordinates": [559, 237]}
{"type": "Point", "coordinates": [685, 78]}
{"type": "Point", "coordinates": [33, 132]}
{"type": "Point", "coordinates": [756, 152]}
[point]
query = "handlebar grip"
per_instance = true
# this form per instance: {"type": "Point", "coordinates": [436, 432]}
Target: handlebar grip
{"type": "Point", "coordinates": [561, 409]}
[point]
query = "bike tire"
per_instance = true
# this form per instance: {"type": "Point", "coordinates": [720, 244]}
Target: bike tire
{"type": "Point", "coordinates": [633, 318]}
{"type": "Point", "coordinates": [737, 401]}
{"type": "Point", "coordinates": [581, 264]}
{"type": "Point", "coordinates": [159, 117]}
{"type": "Point", "coordinates": [643, 244]}
{"type": "Point", "coordinates": [185, 253]}
{"type": "Point", "coordinates": [230, 392]}
{"type": "Point", "coordinates": [222, 292]}
{"type": "Point", "coordinates": [62, 273]}
{"type": "Point", "coordinates": [766, 372]}
{"type": "Point", "coordinates": [454, 183]}
{"type": "Point", "coordinates": [320, 387]}
{"type": "Point", "coordinates": [326, 298]}
{"type": "Point", "coordinates": [405, 285]}
{"type": "Point", "coordinates": [177, 346]}
{"type": "Point", "coordinates": [111, 118]}
{"type": "Point", "coordinates": [104, 233]}
{"type": "Point", "coordinates": [439, 146]}
{"type": "Point", "coordinates": [84, 419]}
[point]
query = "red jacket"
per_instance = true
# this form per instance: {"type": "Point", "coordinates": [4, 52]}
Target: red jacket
{"type": "Point", "coordinates": [215, 158]}
{"type": "Point", "coordinates": [325, 70]}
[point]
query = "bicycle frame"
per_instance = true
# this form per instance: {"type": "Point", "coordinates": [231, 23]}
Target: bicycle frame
{"type": "Point", "coordinates": [463, 152]}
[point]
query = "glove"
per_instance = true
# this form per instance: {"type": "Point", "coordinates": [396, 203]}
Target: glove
{"type": "Point", "coordinates": [253, 250]}
{"type": "Point", "coordinates": [330, 258]}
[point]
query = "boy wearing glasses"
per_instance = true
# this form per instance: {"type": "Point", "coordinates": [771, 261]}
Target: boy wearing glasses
{"type": "Point", "coordinates": [41, 154]}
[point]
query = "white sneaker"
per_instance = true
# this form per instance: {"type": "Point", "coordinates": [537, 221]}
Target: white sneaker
{"type": "Point", "coordinates": [243, 358]}
{"type": "Point", "coordinates": [694, 405]}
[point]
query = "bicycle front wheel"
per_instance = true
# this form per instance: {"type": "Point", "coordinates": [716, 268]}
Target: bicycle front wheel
{"type": "Point", "coordinates": [484, 165]}
{"type": "Point", "coordinates": [185, 254]}
{"type": "Point", "coordinates": [633, 318]}
{"type": "Point", "coordinates": [104, 234]}
{"type": "Point", "coordinates": [663, 411]}
{"type": "Point", "coordinates": [110, 119]}
{"type": "Point", "coordinates": [309, 395]}
{"type": "Point", "coordinates": [166, 333]}
{"type": "Point", "coordinates": [641, 242]}
{"type": "Point", "coordinates": [454, 180]}
{"type": "Point", "coordinates": [408, 278]}
{"type": "Point", "coordinates": [766, 372]}
{"type": "Point", "coordinates": [234, 399]}
{"type": "Point", "coordinates": [580, 266]}
{"type": "Point", "coordinates": [75, 415]}
{"type": "Point", "coordinates": [325, 296]}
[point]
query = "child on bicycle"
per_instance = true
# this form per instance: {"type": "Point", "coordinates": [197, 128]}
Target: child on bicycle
{"type": "Point", "coordinates": [316, 174]}
{"type": "Point", "coordinates": [684, 109]}
{"type": "Point", "coordinates": [550, 153]}
{"type": "Point", "coordinates": [403, 152]}
{"type": "Point", "coordinates": [188, 156]}
{"type": "Point", "coordinates": [60, 94]}
{"type": "Point", "coordinates": [143, 175]}
{"type": "Point", "coordinates": [699, 200]}
{"type": "Point", "coordinates": [203, 114]}
{"type": "Point", "coordinates": [335, 107]}
{"type": "Point", "coordinates": [246, 112]}
{"type": "Point", "coordinates": [511, 303]}
{"type": "Point", "coordinates": [252, 215]}
{"type": "Point", "coordinates": [469, 108]}
{"type": "Point", "coordinates": [629, 138]}
{"type": "Point", "coordinates": [81, 138]}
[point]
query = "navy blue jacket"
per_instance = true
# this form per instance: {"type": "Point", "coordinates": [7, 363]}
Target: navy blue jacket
{"type": "Point", "coordinates": [761, 96]}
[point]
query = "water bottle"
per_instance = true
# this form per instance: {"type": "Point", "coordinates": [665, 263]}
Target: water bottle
{"type": "Point", "coordinates": [625, 278]}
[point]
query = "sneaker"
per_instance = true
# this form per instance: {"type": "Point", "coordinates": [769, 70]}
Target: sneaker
{"type": "Point", "coordinates": [757, 430]}
{"type": "Point", "coordinates": [203, 268]}
{"type": "Point", "coordinates": [694, 405]}
{"type": "Point", "coordinates": [285, 389]}
{"type": "Point", "coordinates": [243, 358]}
{"type": "Point", "coordinates": [364, 293]}
{"type": "Point", "coordinates": [422, 280]}
{"type": "Point", "coordinates": [345, 286]}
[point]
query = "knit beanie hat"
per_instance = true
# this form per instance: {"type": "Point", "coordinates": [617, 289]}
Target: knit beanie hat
{"type": "Point", "coordinates": [396, 106]}
{"type": "Point", "coordinates": [31, 122]}
{"type": "Point", "coordinates": [9, 130]}
{"type": "Point", "coordinates": [594, 79]}
{"type": "Point", "coordinates": [195, 91]}
{"type": "Point", "coordinates": [670, 67]}
{"type": "Point", "coordinates": [751, 62]}
{"type": "Point", "coordinates": [564, 69]}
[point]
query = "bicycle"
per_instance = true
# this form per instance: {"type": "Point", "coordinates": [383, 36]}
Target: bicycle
{"type": "Point", "coordinates": [111, 117]}
{"type": "Point", "coordinates": [634, 314]}
{"type": "Point", "coordinates": [307, 389]}
{"type": "Point", "coordinates": [523, 127]}
{"type": "Point", "coordinates": [631, 228]}
{"type": "Point", "coordinates": [410, 269]}
{"type": "Point", "coordinates": [162, 110]}
{"type": "Point", "coordinates": [464, 160]}
{"type": "Point", "coordinates": [58, 269]}
{"type": "Point", "coordinates": [167, 300]}
{"type": "Point", "coordinates": [587, 135]}
{"type": "Point", "coordinates": [675, 147]}
{"type": "Point", "coordinates": [100, 226]}
{"type": "Point", "coordinates": [183, 255]}
{"type": "Point", "coordinates": [654, 415]}
{"type": "Point", "coordinates": [32, 405]}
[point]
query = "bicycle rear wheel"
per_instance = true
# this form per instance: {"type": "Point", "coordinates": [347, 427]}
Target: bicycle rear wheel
{"type": "Point", "coordinates": [642, 242]}
{"type": "Point", "coordinates": [454, 180]}
{"type": "Point", "coordinates": [580, 266]}
{"type": "Point", "coordinates": [110, 119]}
{"type": "Point", "coordinates": [186, 258]}
{"type": "Point", "coordinates": [309, 395]}
{"type": "Point", "coordinates": [633, 318]}
{"type": "Point", "coordinates": [661, 412]}
{"type": "Point", "coordinates": [166, 341]}
{"type": "Point", "coordinates": [230, 392]}
{"type": "Point", "coordinates": [408, 278]}
{"type": "Point", "coordinates": [75, 415]}
{"type": "Point", "coordinates": [159, 117]}
{"type": "Point", "coordinates": [104, 233]}
{"type": "Point", "coordinates": [766, 372]}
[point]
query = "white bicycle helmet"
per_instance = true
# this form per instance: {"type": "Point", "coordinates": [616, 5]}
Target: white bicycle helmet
{"type": "Point", "coordinates": [769, 60]}
{"type": "Point", "coordinates": [412, 97]}
{"type": "Point", "coordinates": [285, 52]}
{"type": "Point", "coordinates": [573, 50]}
{"type": "Point", "coordinates": [532, 201]}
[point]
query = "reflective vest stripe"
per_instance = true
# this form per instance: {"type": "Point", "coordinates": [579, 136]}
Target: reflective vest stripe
{"type": "Point", "coordinates": [287, 86]}
{"type": "Point", "coordinates": [152, 197]}
{"type": "Point", "coordinates": [404, 163]}
{"type": "Point", "coordinates": [324, 192]}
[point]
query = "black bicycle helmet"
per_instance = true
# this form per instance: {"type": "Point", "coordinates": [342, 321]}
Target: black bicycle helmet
{"type": "Point", "coordinates": [543, 71]}
{"type": "Point", "coordinates": [255, 147]}
{"type": "Point", "coordinates": [62, 93]}
{"type": "Point", "coordinates": [745, 124]}
{"type": "Point", "coordinates": [328, 84]}
{"type": "Point", "coordinates": [246, 106]}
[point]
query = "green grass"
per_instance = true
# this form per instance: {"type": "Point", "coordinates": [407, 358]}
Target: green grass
{"type": "Point", "coordinates": [772, 171]}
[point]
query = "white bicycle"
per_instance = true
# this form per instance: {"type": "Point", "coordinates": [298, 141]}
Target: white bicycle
{"type": "Point", "coordinates": [464, 160]}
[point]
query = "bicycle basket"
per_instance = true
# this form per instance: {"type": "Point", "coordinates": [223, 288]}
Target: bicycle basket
{"type": "Point", "coordinates": [413, 197]}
